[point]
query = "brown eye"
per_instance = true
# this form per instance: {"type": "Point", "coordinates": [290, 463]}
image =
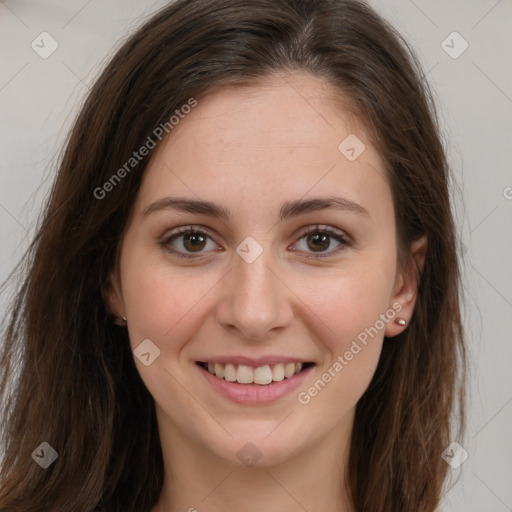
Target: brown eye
{"type": "Point", "coordinates": [319, 239]}
{"type": "Point", "coordinates": [194, 241]}
{"type": "Point", "coordinates": [318, 242]}
{"type": "Point", "coordinates": [187, 242]}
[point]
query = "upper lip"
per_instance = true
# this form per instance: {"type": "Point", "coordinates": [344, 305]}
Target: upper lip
{"type": "Point", "coordinates": [254, 361]}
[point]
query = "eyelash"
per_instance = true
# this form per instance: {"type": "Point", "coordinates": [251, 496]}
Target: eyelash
{"type": "Point", "coordinates": [318, 229]}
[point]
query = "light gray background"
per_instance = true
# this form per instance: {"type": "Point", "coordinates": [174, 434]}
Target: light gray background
{"type": "Point", "coordinates": [39, 98]}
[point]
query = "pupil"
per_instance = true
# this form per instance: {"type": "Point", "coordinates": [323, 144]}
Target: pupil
{"type": "Point", "coordinates": [321, 238]}
{"type": "Point", "coordinates": [195, 239]}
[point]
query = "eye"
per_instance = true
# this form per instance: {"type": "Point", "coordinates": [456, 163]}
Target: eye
{"type": "Point", "coordinates": [193, 240]}
{"type": "Point", "coordinates": [190, 241]}
{"type": "Point", "coordinates": [319, 239]}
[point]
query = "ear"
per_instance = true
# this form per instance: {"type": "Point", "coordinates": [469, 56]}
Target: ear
{"type": "Point", "coordinates": [111, 292]}
{"type": "Point", "coordinates": [406, 286]}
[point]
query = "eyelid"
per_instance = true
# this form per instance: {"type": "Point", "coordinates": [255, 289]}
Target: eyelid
{"type": "Point", "coordinates": [324, 228]}
{"type": "Point", "coordinates": [175, 233]}
{"type": "Point", "coordinates": [189, 228]}
{"type": "Point", "coordinates": [341, 236]}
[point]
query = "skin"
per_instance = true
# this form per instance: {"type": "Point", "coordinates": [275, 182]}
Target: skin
{"type": "Point", "coordinates": [250, 149]}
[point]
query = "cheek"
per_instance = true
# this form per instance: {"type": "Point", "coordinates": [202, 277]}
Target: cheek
{"type": "Point", "coordinates": [348, 302]}
{"type": "Point", "coordinates": [350, 309]}
{"type": "Point", "coordinates": [164, 307]}
{"type": "Point", "coordinates": [160, 303]}
{"type": "Point", "coordinates": [351, 306]}
{"type": "Point", "coordinates": [154, 298]}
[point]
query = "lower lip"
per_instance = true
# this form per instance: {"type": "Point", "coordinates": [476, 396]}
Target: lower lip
{"type": "Point", "coordinates": [255, 393]}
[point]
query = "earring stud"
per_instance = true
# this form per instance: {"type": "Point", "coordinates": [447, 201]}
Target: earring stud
{"type": "Point", "coordinates": [120, 320]}
{"type": "Point", "coordinates": [400, 321]}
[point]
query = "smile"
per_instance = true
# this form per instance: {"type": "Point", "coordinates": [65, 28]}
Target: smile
{"type": "Point", "coordinates": [262, 375]}
{"type": "Point", "coordinates": [254, 385]}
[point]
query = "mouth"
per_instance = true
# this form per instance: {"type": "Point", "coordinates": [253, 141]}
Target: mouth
{"type": "Point", "coordinates": [262, 375]}
{"type": "Point", "coordinates": [254, 385]}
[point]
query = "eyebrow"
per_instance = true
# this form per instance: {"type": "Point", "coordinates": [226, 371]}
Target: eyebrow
{"type": "Point", "coordinates": [288, 209]}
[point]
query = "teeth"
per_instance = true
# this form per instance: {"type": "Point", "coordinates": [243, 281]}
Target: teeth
{"type": "Point", "coordinates": [244, 374]}
{"type": "Point", "coordinates": [278, 372]}
{"type": "Point", "coordinates": [219, 371]}
{"type": "Point", "coordinates": [230, 372]}
{"type": "Point", "coordinates": [262, 375]}
{"type": "Point", "coordinates": [289, 370]}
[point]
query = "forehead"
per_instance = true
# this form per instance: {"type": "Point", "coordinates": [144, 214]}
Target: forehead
{"type": "Point", "coordinates": [280, 138]}
{"type": "Point", "coordinates": [283, 111]}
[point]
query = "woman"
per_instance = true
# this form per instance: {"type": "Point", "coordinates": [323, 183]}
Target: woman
{"type": "Point", "coordinates": [244, 291]}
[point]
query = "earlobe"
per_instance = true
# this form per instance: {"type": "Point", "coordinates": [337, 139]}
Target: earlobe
{"type": "Point", "coordinates": [406, 289]}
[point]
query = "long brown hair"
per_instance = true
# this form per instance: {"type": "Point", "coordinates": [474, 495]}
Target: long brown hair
{"type": "Point", "coordinates": [67, 372]}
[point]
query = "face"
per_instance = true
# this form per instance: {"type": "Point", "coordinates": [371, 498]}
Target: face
{"type": "Point", "coordinates": [262, 279]}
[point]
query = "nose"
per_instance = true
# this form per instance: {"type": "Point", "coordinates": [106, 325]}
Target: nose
{"type": "Point", "coordinates": [254, 301]}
